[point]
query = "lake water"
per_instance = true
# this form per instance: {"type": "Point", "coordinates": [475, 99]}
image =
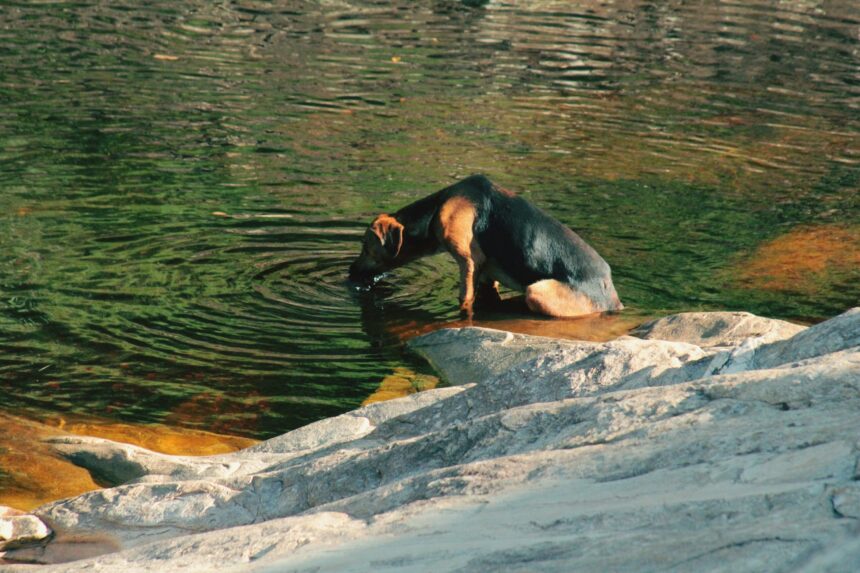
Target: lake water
{"type": "Point", "coordinates": [183, 184]}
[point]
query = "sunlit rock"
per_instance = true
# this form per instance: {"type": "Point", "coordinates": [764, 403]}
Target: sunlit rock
{"type": "Point", "coordinates": [39, 475]}
{"type": "Point", "coordinates": [19, 529]}
{"type": "Point", "coordinates": [834, 335]}
{"type": "Point", "coordinates": [464, 355]}
{"type": "Point", "coordinates": [707, 329]}
{"type": "Point", "coordinates": [732, 454]}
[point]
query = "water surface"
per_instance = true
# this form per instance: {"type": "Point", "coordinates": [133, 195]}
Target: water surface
{"type": "Point", "coordinates": [183, 184]}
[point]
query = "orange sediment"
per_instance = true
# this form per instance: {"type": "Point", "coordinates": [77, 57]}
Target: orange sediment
{"type": "Point", "coordinates": [594, 327]}
{"type": "Point", "coordinates": [803, 259]}
{"type": "Point", "coordinates": [31, 474]}
{"type": "Point", "coordinates": [399, 383]}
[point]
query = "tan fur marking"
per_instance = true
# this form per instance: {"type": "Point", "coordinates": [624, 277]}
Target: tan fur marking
{"type": "Point", "coordinates": [456, 218]}
{"type": "Point", "coordinates": [456, 221]}
{"type": "Point", "coordinates": [557, 299]}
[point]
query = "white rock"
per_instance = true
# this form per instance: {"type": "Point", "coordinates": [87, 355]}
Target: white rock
{"type": "Point", "coordinates": [18, 529]}
{"type": "Point", "coordinates": [830, 336]}
{"type": "Point", "coordinates": [632, 455]}
{"type": "Point", "coordinates": [470, 355]}
{"type": "Point", "coordinates": [707, 329]}
{"type": "Point", "coordinates": [6, 511]}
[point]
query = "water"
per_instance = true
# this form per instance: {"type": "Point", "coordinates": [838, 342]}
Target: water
{"type": "Point", "coordinates": [183, 184]}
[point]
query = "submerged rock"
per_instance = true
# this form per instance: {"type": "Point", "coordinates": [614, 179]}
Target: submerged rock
{"type": "Point", "coordinates": [731, 454]}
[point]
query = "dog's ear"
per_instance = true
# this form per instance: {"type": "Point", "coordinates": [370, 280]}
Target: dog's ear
{"type": "Point", "coordinates": [394, 239]}
{"type": "Point", "coordinates": [390, 233]}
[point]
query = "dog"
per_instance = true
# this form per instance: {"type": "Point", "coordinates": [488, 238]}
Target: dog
{"type": "Point", "coordinates": [496, 237]}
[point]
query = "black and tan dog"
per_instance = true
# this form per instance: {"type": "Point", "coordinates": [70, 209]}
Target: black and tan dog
{"type": "Point", "coordinates": [495, 237]}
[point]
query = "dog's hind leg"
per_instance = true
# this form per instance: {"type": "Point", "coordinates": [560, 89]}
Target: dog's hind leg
{"type": "Point", "coordinates": [555, 298]}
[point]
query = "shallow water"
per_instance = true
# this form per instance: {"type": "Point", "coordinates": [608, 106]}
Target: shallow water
{"type": "Point", "coordinates": [183, 185]}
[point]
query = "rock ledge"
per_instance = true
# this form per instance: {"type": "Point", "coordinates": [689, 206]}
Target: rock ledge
{"type": "Point", "coordinates": [717, 442]}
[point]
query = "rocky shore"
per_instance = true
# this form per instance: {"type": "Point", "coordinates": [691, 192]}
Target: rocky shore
{"type": "Point", "coordinates": [706, 442]}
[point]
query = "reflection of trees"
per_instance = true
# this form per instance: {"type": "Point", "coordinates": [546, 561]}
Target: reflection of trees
{"type": "Point", "coordinates": [600, 45]}
{"type": "Point", "coordinates": [310, 85]}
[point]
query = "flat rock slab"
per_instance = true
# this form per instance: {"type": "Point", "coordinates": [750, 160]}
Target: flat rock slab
{"type": "Point", "coordinates": [708, 329]}
{"type": "Point", "coordinates": [466, 355]}
{"type": "Point", "coordinates": [721, 454]}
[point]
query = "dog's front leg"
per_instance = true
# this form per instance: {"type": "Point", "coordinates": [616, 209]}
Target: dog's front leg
{"type": "Point", "coordinates": [456, 233]}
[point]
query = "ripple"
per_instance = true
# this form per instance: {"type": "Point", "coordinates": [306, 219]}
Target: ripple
{"type": "Point", "coordinates": [183, 186]}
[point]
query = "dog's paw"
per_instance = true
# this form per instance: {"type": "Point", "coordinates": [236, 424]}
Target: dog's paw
{"type": "Point", "coordinates": [466, 309]}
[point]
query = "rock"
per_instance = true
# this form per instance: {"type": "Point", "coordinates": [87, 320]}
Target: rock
{"type": "Point", "coordinates": [840, 555]}
{"type": "Point", "coordinates": [348, 427]}
{"type": "Point", "coordinates": [846, 501]}
{"type": "Point", "coordinates": [61, 549]}
{"type": "Point", "coordinates": [464, 355]}
{"type": "Point", "coordinates": [18, 529]}
{"type": "Point", "coordinates": [708, 329]}
{"type": "Point", "coordinates": [6, 512]}
{"type": "Point", "coordinates": [839, 333]}
{"type": "Point", "coordinates": [544, 455]}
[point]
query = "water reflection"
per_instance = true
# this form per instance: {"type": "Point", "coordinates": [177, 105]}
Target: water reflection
{"type": "Point", "coordinates": [183, 185]}
{"type": "Point", "coordinates": [389, 324]}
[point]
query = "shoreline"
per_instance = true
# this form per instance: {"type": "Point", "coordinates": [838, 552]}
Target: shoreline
{"type": "Point", "coordinates": [35, 467]}
{"type": "Point", "coordinates": [712, 441]}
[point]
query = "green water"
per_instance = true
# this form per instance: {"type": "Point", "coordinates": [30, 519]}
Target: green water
{"type": "Point", "coordinates": [183, 184]}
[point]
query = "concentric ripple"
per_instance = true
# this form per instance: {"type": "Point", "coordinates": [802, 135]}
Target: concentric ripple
{"type": "Point", "coordinates": [183, 185]}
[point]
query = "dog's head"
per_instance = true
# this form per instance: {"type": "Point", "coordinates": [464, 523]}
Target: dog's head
{"type": "Point", "coordinates": [380, 248]}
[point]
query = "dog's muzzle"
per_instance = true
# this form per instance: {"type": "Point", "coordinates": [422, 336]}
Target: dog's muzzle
{"type": "Point", "coordinates": [363, 279]}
